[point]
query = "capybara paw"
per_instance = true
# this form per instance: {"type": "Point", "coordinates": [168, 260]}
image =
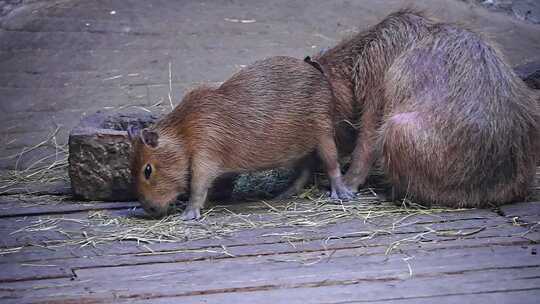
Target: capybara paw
{"type": "Point", "coordinates": [342, 193]}
{"type": "Point", "coordinates": [191, 214]}
{"type": "Point", "coordinates": [282, 196]}
{"type": "Point", "coordinates": [287, 194]}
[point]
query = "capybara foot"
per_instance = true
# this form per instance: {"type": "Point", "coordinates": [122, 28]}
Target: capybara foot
{"type": "Point", "coordinates": [191, 213]}
{"type": "Point", "coordinates": [353, 181]}
{"type": "Point", "coordinates": [288, 193]}
{"type": "Point", "coordinates": [284, 195]}
{"type": "Point", "coordinates": [342, 193]}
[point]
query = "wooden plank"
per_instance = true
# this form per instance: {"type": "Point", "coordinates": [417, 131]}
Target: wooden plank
{"type": "Point", "coordinates": [524, 296]}
{"type": "Point", "coordinates": [436, 273]}
{"type": "Point", "coordinates": [467, 288]}
{"type": "Point", "coordinates": [437, 221]}
{"type": "Point", "coordinates": [251, 244]}
{"type": "Point", "coordinates": [118, 253]}
{"type": "Point", "coordinates": [376, 246]}
{"type": "Point", "coordinates": [33, 271]}
{"type": "Point", "coordinates": [51, 188]}
{"type": "Point", "coordinates": [480, 284]}
{"type": "Point", "coordinates": [519, 209]}
{"type": "Point", "coordinates": [440, 290]}
{"type": "Point", "coordinates": [13, 227]}
{"type": "Point", "coordinates": [268, 242]}
{"type": "Point", "coordinates": [17, 269]}
{"type": "Point", "coordinates": [20, 206]}
{"type": "Point", "coordinates": [477, 257]}
{"type": "Point", "coordinates": [526, 214]}
{"type": "Point", "coordinates": [256, 236]}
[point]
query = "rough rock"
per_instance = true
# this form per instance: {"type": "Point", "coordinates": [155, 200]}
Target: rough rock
{"type": "Point", "coordinates": [99, 151]}
{"type": "Point", "coordinates": [528, 10]}
{"type": "Point", "coordinates": [530, 73]}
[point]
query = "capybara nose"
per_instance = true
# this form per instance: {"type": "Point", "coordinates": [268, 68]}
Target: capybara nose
{"type": "Point", "coordinates": [155, 212]}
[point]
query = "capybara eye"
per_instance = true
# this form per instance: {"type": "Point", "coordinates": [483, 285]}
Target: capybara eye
{"type": "Point", "coordinates": [147, 171]}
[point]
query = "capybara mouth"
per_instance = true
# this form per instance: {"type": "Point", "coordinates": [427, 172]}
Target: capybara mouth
{"type": "Point", "coordinates": [156, 213]}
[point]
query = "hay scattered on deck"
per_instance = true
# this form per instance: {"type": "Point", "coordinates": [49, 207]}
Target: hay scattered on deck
{"type": "Point", "coordinates": [315, 211]}
{"type": "Point", "coordinates": [45, 170]}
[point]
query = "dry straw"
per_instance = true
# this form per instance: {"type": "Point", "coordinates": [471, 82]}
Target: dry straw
{"type": "Point", "coordinates": [313, 211]}
{"type": "Point", "coordinates": [46, 169]}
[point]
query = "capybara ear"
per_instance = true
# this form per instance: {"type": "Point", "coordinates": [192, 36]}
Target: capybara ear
{"type": "Point", "coordinates": [149, 138]}
{"type": "Point", "coordinates": [133, 132]}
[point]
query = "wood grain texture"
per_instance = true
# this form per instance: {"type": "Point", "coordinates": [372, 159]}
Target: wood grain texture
{"type": "Point", "coordinates": [489, 256]}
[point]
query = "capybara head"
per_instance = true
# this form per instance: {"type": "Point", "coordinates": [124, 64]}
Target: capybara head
{"type": "Point", "coordinates": [159, 169]}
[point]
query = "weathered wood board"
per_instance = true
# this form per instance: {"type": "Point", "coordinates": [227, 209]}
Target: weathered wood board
{"type": "Point", "coordinates": [485, 256]}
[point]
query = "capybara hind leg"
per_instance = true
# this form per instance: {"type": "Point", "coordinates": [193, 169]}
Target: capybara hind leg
{"type": "Point", "coordinates": [304, 171]}
{"type": "Point", "coordinates": [202, 176]}
{"type": "Point", "coordinates": [412, 165]}
{"type": "Point", "coordinates": [329, 156]}
{"type": "Point", "coordinates": [362, 157]}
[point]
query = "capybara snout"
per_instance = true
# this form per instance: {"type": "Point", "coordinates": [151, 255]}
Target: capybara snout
{"type": "Point", "coordinates": [157, 170]}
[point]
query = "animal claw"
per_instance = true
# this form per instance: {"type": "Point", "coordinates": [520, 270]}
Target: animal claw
{"type": "Point", "coordinates": [342, 193]}
{"type": "Point", "coordinates": [191, 214]}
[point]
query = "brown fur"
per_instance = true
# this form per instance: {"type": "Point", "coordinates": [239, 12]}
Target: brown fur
{"type": "Point", "coordinates": [271, 114]}
{"type": "Point", "coordinates": [440, 109]}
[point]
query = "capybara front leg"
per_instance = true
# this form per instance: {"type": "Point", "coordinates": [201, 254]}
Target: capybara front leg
{"type": "Point", "coordinates": [362, 157]}
{"type": "Point", "coordinates": [329, 156]}
{"type": "Point", "coordinates": [202, 177]}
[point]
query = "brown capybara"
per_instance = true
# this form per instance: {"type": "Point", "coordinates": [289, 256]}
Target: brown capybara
{"type": "Point", "coordinates": [438, 108]}
{"type": "Point", "coordinates": [273, 113]}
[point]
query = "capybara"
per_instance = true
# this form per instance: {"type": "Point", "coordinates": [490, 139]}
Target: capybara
{"type": "Point", "coordinates": [274, 113]}
{"type": "Point", "coordinates": [438, 108]}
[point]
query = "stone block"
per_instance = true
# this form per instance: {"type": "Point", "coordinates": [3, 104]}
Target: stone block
{"type": "Point", "coordinates": [99, 151]}
{"type": "Point", "coordinates": [528, 10]}
{"type": "Point", "coordinates": [530, 73]}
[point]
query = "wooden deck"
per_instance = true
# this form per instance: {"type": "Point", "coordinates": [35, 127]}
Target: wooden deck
{"type": "Point", "coordinates": [63, 59]}
{"type": "Point", "coordinates": [480, 256]}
